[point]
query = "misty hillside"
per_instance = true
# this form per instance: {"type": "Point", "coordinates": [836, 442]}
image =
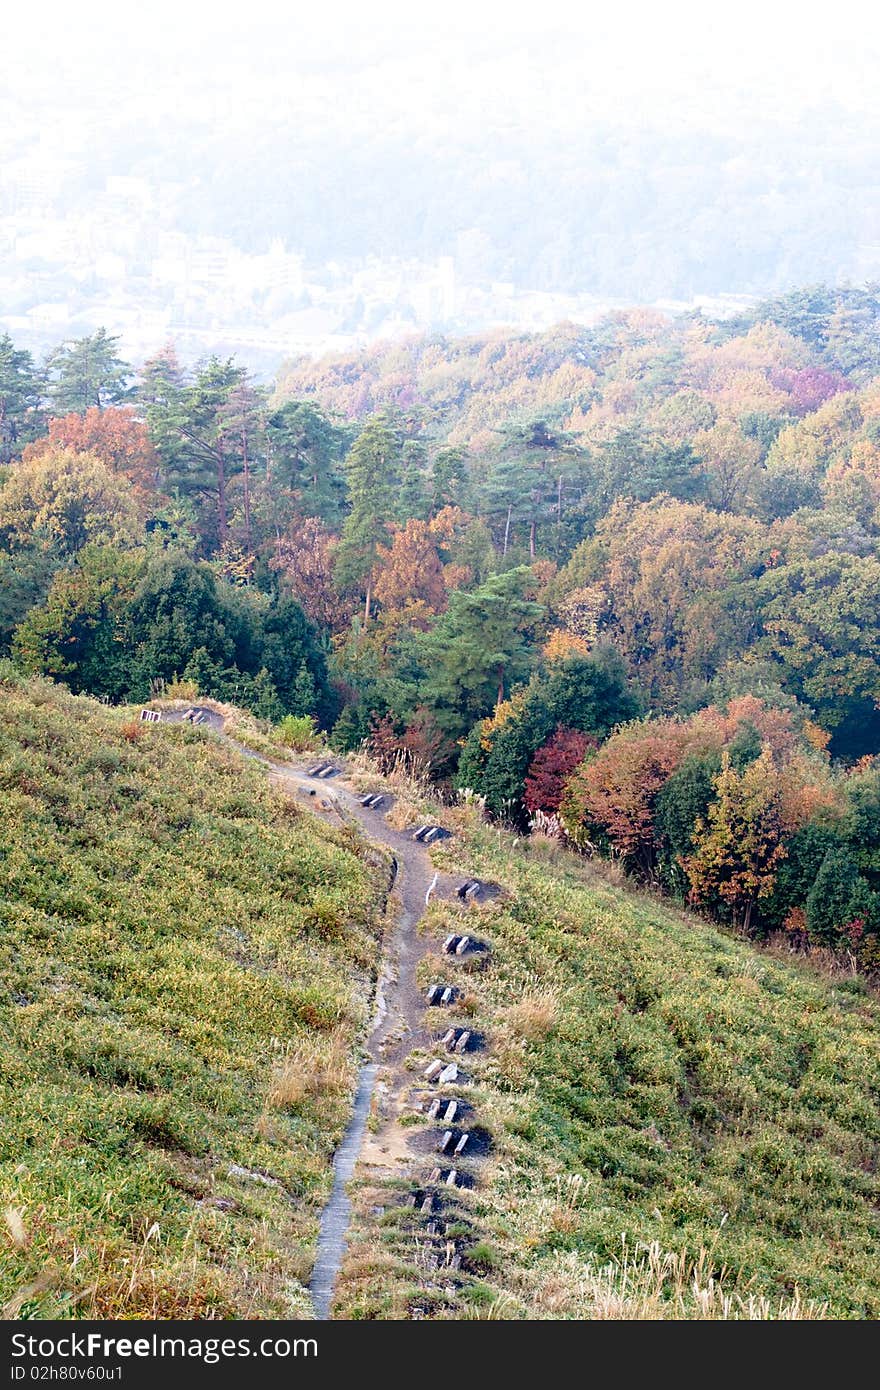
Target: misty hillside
{"type": "Point", "coordinates": [403, 172]}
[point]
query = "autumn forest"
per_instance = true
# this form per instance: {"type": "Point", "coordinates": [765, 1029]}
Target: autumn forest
{"type": "Point", "coordinates": [619, 583]}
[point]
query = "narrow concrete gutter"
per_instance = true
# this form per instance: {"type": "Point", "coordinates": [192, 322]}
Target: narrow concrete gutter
{"type": "Point", "coordinates": [333, 1233]}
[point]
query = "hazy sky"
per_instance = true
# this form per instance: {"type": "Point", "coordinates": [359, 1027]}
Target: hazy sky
{"type": "Point", "coordinates": [666, 62]}
{"type": "Point", "coordinates": [635, 152]}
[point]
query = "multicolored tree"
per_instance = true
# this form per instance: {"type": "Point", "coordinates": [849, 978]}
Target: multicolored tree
{"type": "Point", "coordinates": [739, 846]}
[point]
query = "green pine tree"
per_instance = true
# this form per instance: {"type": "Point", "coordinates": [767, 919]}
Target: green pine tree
{"type": "Point", "coordinates": [829, 900]}
{"type": "Point", "coordinates": [207, 431]}
{"type": "Point", "coordinates": [306, 449]}
{"type": "Point", "coordinates": [204, 672]}
{"type": "Point", "coordinates": [88, 372]}
{"type": "Point", "coordinates": [350, 729]}
{"type": "Point", "coordinates": [21, 419]}
{"type": "Point", "coordinates": [412, 499]}
{"type": "Point", "coordinates": [262, 698]}
{"type": "Point", "coordinates": [449, 480]}
{"type": "Point", "coordinates": [479, 649]}
{"type": "Point", "coordinates": [303, 694]}
{"type": "Point", "coordinates": [372, 474]}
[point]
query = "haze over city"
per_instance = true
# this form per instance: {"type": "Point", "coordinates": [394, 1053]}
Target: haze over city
{"type": "Point", "coordinates": [277, 183]}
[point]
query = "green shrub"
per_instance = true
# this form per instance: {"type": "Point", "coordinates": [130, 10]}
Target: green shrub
{"type": "Point", "coordinates": [297, 731]}
{"type": "Point", "coordinates": [483, 1256]}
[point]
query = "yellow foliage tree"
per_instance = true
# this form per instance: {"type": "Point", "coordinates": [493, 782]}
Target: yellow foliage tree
{"type": "Point", "coordinates": [65, 500]}
{"type": "Point", "coordinates": [738, 847]}
{"type": "Point", "coordinates": [561, 644]}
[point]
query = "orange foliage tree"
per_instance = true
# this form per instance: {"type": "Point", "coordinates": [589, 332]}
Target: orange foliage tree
{"type": "Point", "coordinates": [114, 435]}
{"type": "Point", "coordinates": [560, 645]}
{"type": "Point", "coordinates": [409, 579]}
{"type": "Point", "coordinates": [665, 567]}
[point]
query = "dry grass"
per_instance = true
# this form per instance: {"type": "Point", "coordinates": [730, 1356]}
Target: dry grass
{"type": "Point", "coordinates": [16, 1227]}
{"type": "Point", "coordinates": [405, 812]}
{"type": "Point", "coordinates": [519, 1027]}
{"type": "Point", "coordinates": [411, 789]}
{"type": "Point", "coordinates": [649, 1284]}
{"type": "Point", "coordinates": [468, 1004]}
{"type": "Point", "coordinates": [411, 775]}
{"type": "Point", "coordinates": [533, 1016]}
{"type": "Point", "coordinates": [135, 1284]}
{"type": "Point", "coordinates": [833, 966]}
{"type": "Point", "coordinates": [571, 1197]}
{"type": "Point", "coordinates": [363, 772]}
{"type": "Point", "coordinates": [316, 1066]}
{"type": "Point", "coordinates": [610, 871]}
{"type": "Point", "coordinates": [502, 1308]}
{"type": "Point", "coordinates": [146, 1281]}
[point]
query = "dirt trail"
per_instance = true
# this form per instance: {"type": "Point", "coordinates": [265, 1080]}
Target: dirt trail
{"type": "Point", "coordinates": [399, 1020]}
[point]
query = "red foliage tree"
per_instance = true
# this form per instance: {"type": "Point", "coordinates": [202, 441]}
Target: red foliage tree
{"type": "Point", "coordinates": [424, 742]}
{"type": "Point", "coordinates": [421, 745]}
{"type": "Point", "coordinates": [552, 765]}
{"type": "Point", "coordinates": [305, 556]}
{"type": "Point", "coordinates": [384, 742]}
{"type": "Point", "coordinates": [810, 387]}
{"type": "Point", "coordinates": [615, 791]}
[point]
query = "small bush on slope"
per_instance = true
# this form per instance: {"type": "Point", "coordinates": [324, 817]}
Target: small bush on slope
{"type": "Point", "coordinates": [173, 937]}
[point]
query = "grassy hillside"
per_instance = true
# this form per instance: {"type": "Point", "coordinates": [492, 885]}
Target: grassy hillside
{"type": "Point", "coordinates": [681, 1125]}
{"type": "Point", "coordinates": [677, 1118]}
{"type": "Point", "coordinates": [185, 966]}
